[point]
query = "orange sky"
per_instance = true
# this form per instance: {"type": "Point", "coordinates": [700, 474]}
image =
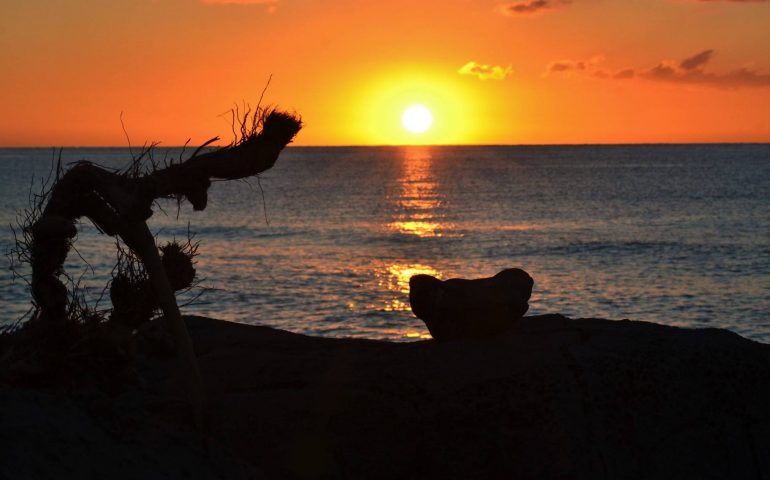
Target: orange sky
{"type": "Point", "coordinates": [491, 72]}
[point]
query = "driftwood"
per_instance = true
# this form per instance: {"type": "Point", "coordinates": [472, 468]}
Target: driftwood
{"type": "Point", "coordinates": [119, 204]}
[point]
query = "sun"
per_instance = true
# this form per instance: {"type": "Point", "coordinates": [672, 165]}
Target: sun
{"type": "Point", "coordinates": [417, 119]}
{"type": "Point", "coordinates": [403, 105]}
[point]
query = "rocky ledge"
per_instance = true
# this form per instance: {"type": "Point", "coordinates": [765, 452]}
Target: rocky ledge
{"type": "Point", "coordinates": [550, 398]}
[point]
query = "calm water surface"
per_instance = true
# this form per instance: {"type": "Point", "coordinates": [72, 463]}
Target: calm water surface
{"type": "Point", "coordinates": [671, 234]}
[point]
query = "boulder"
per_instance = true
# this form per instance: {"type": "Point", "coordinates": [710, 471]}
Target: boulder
{"type": "Point", "coordinates": [460, 308]}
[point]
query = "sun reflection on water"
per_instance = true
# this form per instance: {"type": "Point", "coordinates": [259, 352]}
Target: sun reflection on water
{"type": "Point", "coordinates": [417, 211]}
{"type": "Point", "coordinates": [417, 200]}
{"type": "Point", "coordinates": [421, 229]}
{"type": "Point", "coordinates": [400, 275]}
{"type": "Point", "coordinates": [395, 278]}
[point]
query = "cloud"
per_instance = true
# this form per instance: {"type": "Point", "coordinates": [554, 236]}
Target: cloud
{"type": "Point", "coordinates": [742, 77]}
{"type": "Point", "coordinates": [485, 72]}
{"type": "Point", "coordinates": [564, 67]}
{"type": "Point", "coordinates": [692, 70]}
{"type": "Point", "coordinates": [559, 66]}
{"type": "Point", "coordinates": [239, 2]}
{"type": "Point", "coordinates": [270, 6]}
{"type": "Point", "coordinates": [536, 7]}
{"type": "Point", "coordinates": [697, 60]}
{"type": "Point", "coordinates": [531, 7]}
{"type": "Point", "coordinates": [624, 74]}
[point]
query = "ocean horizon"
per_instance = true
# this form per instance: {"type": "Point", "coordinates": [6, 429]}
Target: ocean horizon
{"type": "Point", "coordinates": [325, 242]}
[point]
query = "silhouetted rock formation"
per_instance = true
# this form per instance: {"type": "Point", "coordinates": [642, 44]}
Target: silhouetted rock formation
{"type": "Point", "coordinates": [550, 398]}
{"type": "Point", "coordinates": [459, 308]}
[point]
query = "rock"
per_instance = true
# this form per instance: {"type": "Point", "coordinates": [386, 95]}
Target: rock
{"type": "Point", "coordinates": [88, 434]}
{"type": "Point", "coordinates": [552, 398]}
{"type": "Point", "coordinates": [459, 308]}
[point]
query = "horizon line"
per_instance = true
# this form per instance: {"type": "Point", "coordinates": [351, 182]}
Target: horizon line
{"type": "Point", "coordinates": [390, 145]}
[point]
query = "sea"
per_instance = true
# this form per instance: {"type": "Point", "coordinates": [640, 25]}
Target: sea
{"type": "Point", "coordinates": [325, 242]}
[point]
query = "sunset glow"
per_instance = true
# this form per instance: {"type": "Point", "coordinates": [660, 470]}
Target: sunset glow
{"type": "Point", "coordinates": [378, 105]}
{"type": "Point", "coordinates": [490, 72]}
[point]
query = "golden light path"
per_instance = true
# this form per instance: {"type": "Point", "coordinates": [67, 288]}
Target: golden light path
{"type": "Point", "coordinates": [418, 196]}
{"type": "Point", "coordinates": [416, 200]}
{"type": "Point", "coordinates": [396, 279]}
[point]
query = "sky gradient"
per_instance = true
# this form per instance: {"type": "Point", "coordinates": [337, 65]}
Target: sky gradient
{"type": "Point", "coordinates": [491, 72]}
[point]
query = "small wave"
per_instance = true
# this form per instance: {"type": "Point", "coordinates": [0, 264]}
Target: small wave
{"type": "Point", "coordinates": [225, 232]}
{"type": "Point", "coordinates": [641, 247]}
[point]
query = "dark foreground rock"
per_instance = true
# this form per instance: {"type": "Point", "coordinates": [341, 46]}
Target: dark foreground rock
{"type": "Point", "coordinates": [552, 398]}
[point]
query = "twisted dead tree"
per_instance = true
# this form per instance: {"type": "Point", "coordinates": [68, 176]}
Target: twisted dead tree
{"type": "Point", "coordinates": [120, 204]}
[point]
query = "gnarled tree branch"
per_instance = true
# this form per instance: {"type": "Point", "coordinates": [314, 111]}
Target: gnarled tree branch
{"type": "Point", "coordinates": [119, 204]}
